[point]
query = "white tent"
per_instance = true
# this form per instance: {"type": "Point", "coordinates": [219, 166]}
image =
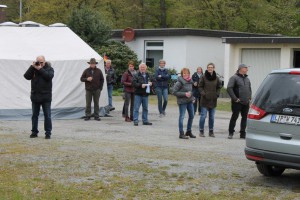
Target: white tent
{"type": "Point", "coordinates": [68, 55]}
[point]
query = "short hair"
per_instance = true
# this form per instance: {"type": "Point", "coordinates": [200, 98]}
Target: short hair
{"type": "Point", "coordinates": [130, 62]}
{"type": "Point", "coordinates": [211, 64]}
{"type": "Point", "coordinates": [185, 70]}
{"type": "Point", "coordinates": [41, 56]}
{"type": "Point", "coordinates": [142, 65]}
{"type": "Point", "coordinates": [108, 61]}
{"type": "Point", "coordinates": [162, 60]}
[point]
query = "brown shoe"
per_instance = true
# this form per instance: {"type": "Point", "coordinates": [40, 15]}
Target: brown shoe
{"type": "Point", "coordinates": [127, 119]}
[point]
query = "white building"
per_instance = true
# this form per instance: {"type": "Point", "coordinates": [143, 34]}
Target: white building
{"type": "Point", "coordinates": [183, 47]}
{"type": "Point", "coordinates": [263, 54]}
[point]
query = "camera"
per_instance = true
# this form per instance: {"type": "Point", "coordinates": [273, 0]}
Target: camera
{"type": "Point", "coordinates": [37, 63]}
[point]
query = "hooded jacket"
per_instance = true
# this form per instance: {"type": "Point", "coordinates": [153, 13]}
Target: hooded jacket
{"type": "Point", "coordinates": [239, 87]}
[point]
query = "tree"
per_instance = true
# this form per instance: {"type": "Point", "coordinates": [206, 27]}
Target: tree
{"type": "Point", "coordinates": [120, 54]}
{"type": "Point", "coordinates": [88, 24]}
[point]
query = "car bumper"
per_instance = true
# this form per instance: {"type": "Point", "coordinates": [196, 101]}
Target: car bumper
{"type": "Point", "coordinates": [273, 158]}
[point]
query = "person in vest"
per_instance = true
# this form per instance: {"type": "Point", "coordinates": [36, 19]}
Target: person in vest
{"type": "Point", "coordinates": [239, 90]}
{"type": "Point", "coordinates": [40, 73]}
{"type": "Point", "coordinates": [209, 88]}
{"type": "Point", "coordinates": [93, 79]}
{"type": "Point", "coordinates": [129, 91]}
{"type": "Point", "coordinates": [162, 78]}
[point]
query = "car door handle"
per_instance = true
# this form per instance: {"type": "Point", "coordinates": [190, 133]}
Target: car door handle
{"type": "Point", "coordinates": [285, 136]}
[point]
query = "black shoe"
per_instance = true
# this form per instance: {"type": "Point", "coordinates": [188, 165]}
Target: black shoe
{"type": "Point", "coordinates": [147, 123]}
{"type": "Point", "coordinates": [47, 137]}
{"type": "Point", "coordinates": [242, 136]}
{"type": "Point", "coordinates": [230, 136]}
{"type": "Point", "coordinates": [33, 135]}
{"type": "Point", "coordinates": [211, 133]}
{"type": "Point", "coordinates": [97, 119]}
{"type": "Point", "coordinates": [190, 134]}
{"type": "Point", "coordinates": [135, 124]}
{"type": "Point", "coordinates": [87, 118]}
{"type": "Point", "coordinates": [201, 133]}
{"type": "Point", "coordinates": [182, 136]}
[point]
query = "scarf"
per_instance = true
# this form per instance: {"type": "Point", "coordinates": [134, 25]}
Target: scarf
{"type": "Point", "coordinates": [210, 76]}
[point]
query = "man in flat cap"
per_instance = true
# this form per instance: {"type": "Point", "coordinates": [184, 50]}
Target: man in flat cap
{"type": "Point", "coordinates": [93, 79]}
{"type": "Point", "coordinates": [239, 90]}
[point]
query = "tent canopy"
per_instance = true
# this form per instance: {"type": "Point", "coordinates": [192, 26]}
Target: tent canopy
{"type": "Point", "coordinates": [68, 55]}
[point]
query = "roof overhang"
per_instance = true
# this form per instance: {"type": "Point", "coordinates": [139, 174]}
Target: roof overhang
{"type": "Point", "coordinates": [261, 40]}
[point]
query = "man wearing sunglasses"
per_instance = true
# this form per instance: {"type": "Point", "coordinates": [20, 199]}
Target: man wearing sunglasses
{"type": "Point", "coordinates": [40, 73]}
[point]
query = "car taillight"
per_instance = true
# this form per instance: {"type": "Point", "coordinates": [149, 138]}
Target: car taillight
{"type": "Point", "coordinates": [256, 113]}
{"type": "Point", "coordinates": [295, 72]}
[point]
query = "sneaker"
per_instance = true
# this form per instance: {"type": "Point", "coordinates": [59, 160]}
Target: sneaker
{"type": "Point", "coordinates": [47, 137]}
{"type": "Point", "coordinates": [87, 118]}
{"type": "Point", "coordinates": [230, 136]}
{"type": "Point", "coordinates": [201, 133]}
{"type": "Point", "coordinates": [161, 115]}
{"type": "Point", "coordinates": [135, 123]}
{"type": "Point", "coordinates": [164, 113]}
{"type": "Point", "coordinates": [147, 123]}
{"type": "Point", "coordinates": [211, 133]}
{"type": "Point", "coordinates": [97, 119]}
{"type": "Point", "coordinates": [33, 135]}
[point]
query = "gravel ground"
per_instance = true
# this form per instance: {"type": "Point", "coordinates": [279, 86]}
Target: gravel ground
{"type": "Point", "coordinates": [81, 151]}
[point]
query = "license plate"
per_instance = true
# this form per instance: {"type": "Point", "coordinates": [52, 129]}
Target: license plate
{"type": "Point", "coordinates": [285, 119]}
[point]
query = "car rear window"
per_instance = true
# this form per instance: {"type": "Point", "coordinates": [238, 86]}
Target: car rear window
{"type": "Point", "coordinates": [279, 91]}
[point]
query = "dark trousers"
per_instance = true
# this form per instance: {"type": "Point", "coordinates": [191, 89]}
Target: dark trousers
{"type": "Point", "coordinates": [238, 108]}
{"type": "Point", "coordinates": [46, 106]}
{"type": "Point", "coordinates": [89, 96]}
{"type": "Point", "coordinates": [129, 99]}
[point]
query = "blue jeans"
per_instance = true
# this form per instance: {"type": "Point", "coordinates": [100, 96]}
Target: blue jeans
{"type": "Point", "coordinates": [211, 120]}
{"type": "Point", "coordinates": [110, 88]}
{"type": "Point", "coordinates": [47, 115]}
{"type": "Point", "coordinates": [138, 100]}
{"type": "Point", "coordinates": [162, 92]}
{"type": "Point", "coordinates": [182, 108]}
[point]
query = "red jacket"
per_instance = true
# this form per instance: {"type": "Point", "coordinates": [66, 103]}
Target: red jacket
{"type": "Point", "coordinates": [127, 81]}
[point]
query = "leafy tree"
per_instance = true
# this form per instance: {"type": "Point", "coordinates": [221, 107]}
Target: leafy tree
{"type": "Point", "coordinates": [120, 54]}
{"type": "Point", "coordinates": [89, 25]}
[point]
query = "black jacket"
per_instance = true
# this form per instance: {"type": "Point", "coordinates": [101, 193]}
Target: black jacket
{"type": "Point", "coordinates": [137, 82]}
{"type": "Point", "coordinates": [239, 87]}
{"type": "Point", "coordinates": [41, 83]}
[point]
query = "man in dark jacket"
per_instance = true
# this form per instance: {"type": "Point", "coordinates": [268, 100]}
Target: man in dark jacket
{"type": "Point", "coordinates": [41, 74]}
{"type": "Point", "coordinates": [110, 81]}
{"type": "Point", "coordinates": [93, 78]}
{"type": "Point", "coordinates": [141, 82]}
{"type": "Point", "coordinates": [239, 90]}
{"type": "Point", "coordinates": [161, 87]}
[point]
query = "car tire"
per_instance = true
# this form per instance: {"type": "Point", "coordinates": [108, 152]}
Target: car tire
{"type": "Point", "coordinates": [269, 170]}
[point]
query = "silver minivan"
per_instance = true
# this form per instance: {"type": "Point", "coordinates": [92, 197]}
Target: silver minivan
{"type": "Point", "coordinates": [273, 126]}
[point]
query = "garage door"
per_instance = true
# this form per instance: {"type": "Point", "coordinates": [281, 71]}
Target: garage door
{"type": "Point", "coordinates": [262, 62]}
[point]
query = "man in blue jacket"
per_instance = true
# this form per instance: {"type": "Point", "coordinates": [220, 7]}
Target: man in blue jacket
{"type": "Point", "coordinates": [161, 87]}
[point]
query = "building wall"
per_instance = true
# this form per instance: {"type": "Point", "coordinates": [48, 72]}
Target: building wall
{"type": "Point", "coordinates": [233, 52]}
{"type": "Point", "coordinates": [185, 51]}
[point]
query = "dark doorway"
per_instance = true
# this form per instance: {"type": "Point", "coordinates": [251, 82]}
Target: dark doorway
{"type": "Point", "coordinates": [297, 59]}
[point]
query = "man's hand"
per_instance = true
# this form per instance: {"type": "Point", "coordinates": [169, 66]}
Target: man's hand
{"type": "Point", "coordinates": [238, 100]}
{"type": "Point", "coordinates": [89, 79]}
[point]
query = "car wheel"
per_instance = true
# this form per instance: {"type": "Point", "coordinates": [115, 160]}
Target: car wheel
{"type": "Point", "coordinates": [269, 170]}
